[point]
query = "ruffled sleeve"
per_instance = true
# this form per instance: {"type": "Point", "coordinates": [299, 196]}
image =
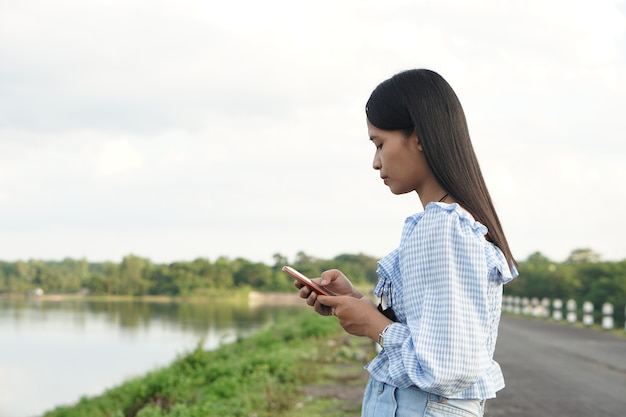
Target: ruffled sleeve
{"type": "Point", "coordinates": [387, 267]}
{"type": "Point", "coordinates": [506, 272]}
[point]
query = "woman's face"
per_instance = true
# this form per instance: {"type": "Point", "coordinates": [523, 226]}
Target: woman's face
{"type": "Point", "coordinates": [400, 160]}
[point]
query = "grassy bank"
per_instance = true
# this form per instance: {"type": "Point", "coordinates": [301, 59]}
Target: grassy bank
{"type": "Point", "coordinates": [301, 365]}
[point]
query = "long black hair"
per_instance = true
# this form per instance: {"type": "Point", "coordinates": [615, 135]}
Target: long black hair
{"type": "Point", "coordinates": [421, 101]}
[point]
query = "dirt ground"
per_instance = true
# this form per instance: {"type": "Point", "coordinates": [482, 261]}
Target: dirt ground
{"type": "Point", "coordinates": [345, 392]}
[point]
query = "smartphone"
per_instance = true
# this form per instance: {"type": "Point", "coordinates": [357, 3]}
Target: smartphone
{"type": "Point", "coordinates": [307, 281]}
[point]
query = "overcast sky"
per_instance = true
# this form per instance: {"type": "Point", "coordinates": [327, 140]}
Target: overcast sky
{"type": "Point", "coordinates": [181, 129]}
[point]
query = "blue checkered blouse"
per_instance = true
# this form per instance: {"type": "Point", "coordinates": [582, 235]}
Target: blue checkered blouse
{"type": "Point", "coordinates": [444, 282]}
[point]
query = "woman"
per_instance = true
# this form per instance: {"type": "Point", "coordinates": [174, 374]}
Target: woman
{"type": "Point", "coordinates": [441, 289]}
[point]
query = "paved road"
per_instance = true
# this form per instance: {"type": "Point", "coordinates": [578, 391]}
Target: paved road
{"type": "Point", "coordinates": [559, 370]}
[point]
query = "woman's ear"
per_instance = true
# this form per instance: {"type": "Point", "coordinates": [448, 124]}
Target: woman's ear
{"type": "Point", "coordinates": [419, 145]}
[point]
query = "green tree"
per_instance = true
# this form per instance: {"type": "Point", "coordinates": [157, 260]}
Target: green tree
{"type": "Point", "coordinates": [223, 275]}
{"type": "Point", "coordinates": [256, 275]}
{"type": "Point", "coordinates": [133, 273]}
{"type": "Point", "coordinates": [188, 276]}
{"type": "Point", "coordinates": [163, 282]}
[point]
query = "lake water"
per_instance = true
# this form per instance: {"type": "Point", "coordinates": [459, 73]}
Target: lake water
{"type": "Point", "coordinates": [54, 352]}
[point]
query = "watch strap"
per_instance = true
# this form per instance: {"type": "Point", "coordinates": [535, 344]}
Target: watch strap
{"type": "Point", "coordinates": [381, 336]}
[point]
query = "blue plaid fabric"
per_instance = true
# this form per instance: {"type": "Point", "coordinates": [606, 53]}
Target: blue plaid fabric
{"type": "Point", "coordinates": [444, 282]}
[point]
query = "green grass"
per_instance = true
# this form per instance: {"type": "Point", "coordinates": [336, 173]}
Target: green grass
{"type": "Point", "coordinates": [280, 371]}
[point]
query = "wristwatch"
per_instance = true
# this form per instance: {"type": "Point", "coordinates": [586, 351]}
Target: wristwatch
{"type": "Point", "coordinates": [381, 336]}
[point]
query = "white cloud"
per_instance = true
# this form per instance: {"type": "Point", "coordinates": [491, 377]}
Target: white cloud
{"type": "Point", "coordinates": [117, 156]}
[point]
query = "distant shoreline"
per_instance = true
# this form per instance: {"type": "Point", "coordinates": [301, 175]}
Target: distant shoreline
{"type": "Point", "coordinates": [257, 298]}
{"type": "Point", "coordinates": [254, 298]}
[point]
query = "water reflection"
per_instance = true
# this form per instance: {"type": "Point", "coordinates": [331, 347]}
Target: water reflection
{"type": "Point", "coordinates": [53, 352]}
{"type": "Point", "coordinates": [197, 316]}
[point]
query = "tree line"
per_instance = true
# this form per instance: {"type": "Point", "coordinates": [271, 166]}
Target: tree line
{"type": "Point", "coordinates": [582, 276]}
{"type": "Point", "coordinates": [138, 276]}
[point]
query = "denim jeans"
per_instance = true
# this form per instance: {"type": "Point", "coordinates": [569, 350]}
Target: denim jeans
{"type": "Point", "coordinates": [382, 400]}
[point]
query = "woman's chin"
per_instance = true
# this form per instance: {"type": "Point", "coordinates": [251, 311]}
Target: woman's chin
{"type": "Point", "coordinates": [399, 191]}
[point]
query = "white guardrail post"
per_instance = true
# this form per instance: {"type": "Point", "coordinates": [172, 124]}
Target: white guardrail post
{"type": "Point", "coordinates": [588, 313]}
{"type": "Point", "coordinates": [545, 307]}
{"type": "Point", "coordinates": [535, 307]}
{"type": "Point", "coordinates": [526, 307]}
{"type": "Point", "coordinates": [607, 316]}
{"type": "Point", "coordinates": [571, 311]}
{"type": "Point", "coordinates": [557, 309]}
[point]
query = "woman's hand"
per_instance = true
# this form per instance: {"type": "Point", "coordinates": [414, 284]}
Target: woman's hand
{"type": "Point", "coordinates": [358, 316]}
{"type": "Point", "coordinates": [336, 282]}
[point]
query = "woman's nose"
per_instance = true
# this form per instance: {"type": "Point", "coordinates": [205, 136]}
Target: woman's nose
{"type": "Point", "coordinates": [376, 163]}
